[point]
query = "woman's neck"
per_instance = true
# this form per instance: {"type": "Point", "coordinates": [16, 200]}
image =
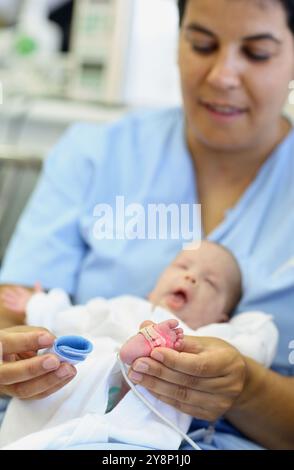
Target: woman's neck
{"type": "Point", "coordinates": [223, 176]}
{"type": "Point", "coordinates": [233, 166]}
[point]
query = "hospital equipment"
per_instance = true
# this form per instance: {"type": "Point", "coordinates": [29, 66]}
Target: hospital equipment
{"type": "Point", "coordinates": [29, 127]}
{"type": "Point", "coordinates": [151, 407]}
{"type": "Point", "coordinates": [71, 349]}
{"type": "Point", "coordinates": [99, 45]}
{"type": "Point", "coordinates": [74, 349]}
{"type": "Point", "coordinates": [155, 338]}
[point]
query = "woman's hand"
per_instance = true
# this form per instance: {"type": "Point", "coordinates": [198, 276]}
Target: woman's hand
{"type": "Point", "coordinates": [25, 375]}
{"type": "Point", "coordinates": [203, 380]}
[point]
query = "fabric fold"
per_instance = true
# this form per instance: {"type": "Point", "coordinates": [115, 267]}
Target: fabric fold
{"type": "Point", "coordinates": [71, 349]}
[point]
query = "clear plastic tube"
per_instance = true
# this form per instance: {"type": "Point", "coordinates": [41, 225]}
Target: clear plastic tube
{"type": "Point", "coordinates": [151, 407]}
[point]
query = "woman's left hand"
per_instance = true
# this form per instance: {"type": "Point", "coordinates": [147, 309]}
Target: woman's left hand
{"type": "Point", "coordinates": [203, 380]}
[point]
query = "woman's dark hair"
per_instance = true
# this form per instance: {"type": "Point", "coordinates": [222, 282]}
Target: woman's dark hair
{"type": "Point", "coordinates": [182, 6]}
{"type": "Point", "coordinates": [287, 4]}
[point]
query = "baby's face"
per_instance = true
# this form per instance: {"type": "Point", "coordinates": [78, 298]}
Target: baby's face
{"type": "Point", "coordinates": [196, 285]}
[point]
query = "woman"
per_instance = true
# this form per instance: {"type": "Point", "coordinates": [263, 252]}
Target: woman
{"type": "Point", "coordinates": [235, 73]}
{"type": "Point", "coordinates": [231, 151]}
{"type": "Point", "coordinates": [25, 374]}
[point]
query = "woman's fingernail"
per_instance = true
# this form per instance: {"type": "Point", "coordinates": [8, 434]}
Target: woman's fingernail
{"type": "Point", "coordinates": [51, 363]}
{"type": "Point", "coordinates": [45, 340]}
{"type": "Point", "coordinates": [65, 371]}
{"type": "Point", "coordinates": [135, 377]}
{"type": "Point", "coordinates": [157, 356]}
{"type": "Point", "coordinates": [141, 367]}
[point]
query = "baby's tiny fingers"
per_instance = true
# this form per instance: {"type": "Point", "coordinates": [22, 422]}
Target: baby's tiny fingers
{"type": "Point", "coordinates": [179, 344]}
{"type": "Point", "coordinates": [179, 331]}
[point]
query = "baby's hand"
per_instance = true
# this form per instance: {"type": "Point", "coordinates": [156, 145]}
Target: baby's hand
{"type": "Point", "coordinates": [17, 298]}
{"type": "Point", "coordinates": [164, 334]}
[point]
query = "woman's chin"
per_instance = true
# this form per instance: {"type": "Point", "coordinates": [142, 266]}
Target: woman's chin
{"type": "Point", "coordinates": [220, 139]}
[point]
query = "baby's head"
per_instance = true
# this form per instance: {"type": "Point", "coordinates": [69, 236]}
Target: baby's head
{"type": "Point", "coordinates": [201, 286]}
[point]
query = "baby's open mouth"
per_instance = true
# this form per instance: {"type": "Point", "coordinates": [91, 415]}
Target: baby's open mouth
{"type": "Point", "coordinates": [176, 300]}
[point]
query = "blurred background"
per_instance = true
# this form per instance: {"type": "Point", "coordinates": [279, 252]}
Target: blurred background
{"type": "Point", "coordinates": [63, 61]}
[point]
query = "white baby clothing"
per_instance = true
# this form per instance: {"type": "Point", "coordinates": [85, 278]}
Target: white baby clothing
{"type": "Point", "coordinates": [76, 414]}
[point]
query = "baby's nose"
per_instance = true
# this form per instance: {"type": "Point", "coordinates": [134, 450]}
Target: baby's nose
{"type": "Point", "coordinates": [190, 278]}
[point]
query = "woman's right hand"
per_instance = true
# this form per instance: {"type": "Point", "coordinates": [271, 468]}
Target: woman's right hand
{"type": "Point", "coordinates": [23, 373]}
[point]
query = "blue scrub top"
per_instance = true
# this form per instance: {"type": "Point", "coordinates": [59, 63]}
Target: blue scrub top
{"type": "Point", "coordinates": [144, 158]}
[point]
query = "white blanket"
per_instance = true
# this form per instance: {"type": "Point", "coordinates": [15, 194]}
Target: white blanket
{"type": "Point", "coordinates": [76, 414]}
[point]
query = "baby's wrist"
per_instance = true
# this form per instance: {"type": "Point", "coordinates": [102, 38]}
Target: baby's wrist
{"type": "Point", "coordinates": [153, 337]}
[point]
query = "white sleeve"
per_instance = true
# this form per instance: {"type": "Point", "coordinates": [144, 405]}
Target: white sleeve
{"type": "Point", "coordinates": [55, 312]}
{"type": "Point", "coordinates": [118, 318]}
{"type": "Point", "coordinates": [254, 334]}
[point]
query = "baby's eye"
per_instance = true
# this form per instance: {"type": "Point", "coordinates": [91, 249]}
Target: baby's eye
{"type": "Point", "coordinates": [181, 265]}
{"type": "Point", "coordinates": [211, 282]}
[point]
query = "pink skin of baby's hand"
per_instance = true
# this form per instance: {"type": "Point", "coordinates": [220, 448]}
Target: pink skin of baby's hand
{"type": "Point", "coordinates": [141, 346]}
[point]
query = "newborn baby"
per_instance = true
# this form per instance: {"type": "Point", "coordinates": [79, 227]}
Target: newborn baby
{"type": "Point", "coordinates": [195, 295]}
{"type": "Point", "coordinates": [201, 286]}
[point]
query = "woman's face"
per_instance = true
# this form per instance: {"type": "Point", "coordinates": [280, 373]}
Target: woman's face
{"type": "Point", "coordinates": [236, 60]}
